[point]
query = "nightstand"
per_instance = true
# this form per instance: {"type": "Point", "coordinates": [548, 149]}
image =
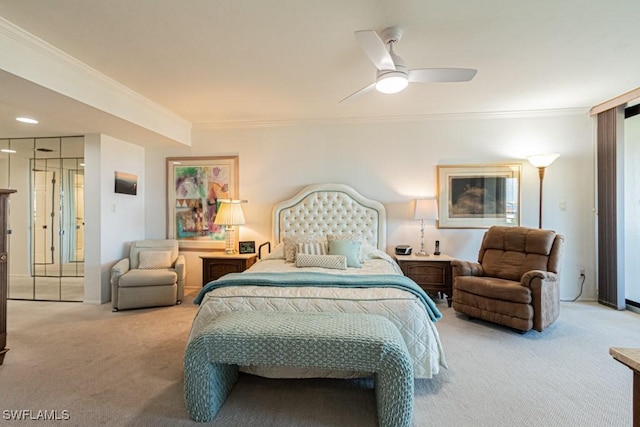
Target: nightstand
{"type": "Point", "coordinates": [432, 273]}
{"type": "Point", "coordinates": [216, 266]}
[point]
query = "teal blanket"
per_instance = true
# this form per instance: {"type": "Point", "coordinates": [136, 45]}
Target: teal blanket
{"type": "Point", "coordinates": [324, 280]}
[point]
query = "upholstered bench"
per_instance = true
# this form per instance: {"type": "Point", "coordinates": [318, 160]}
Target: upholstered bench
{"type": "Point", "coordinates": [360, 342]}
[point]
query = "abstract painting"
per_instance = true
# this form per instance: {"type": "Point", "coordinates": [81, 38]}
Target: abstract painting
{"type": "Point", "coordinates": [195, 186]}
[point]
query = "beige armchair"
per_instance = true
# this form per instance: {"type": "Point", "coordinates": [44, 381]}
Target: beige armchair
{"type": "Point", "coordinates": [516, 281]}
{"type": "Point", "coordinates": [152, 276]}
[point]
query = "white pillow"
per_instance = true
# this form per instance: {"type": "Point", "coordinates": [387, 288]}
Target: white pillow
{"type": "Point", "coordinates": [337, 262]}
{"type": "Point", "coordinates": [276, 253]}
{"type": "Point", "coordinates": [150, 260]}
{"type": "Point", "coordinates": [291, 246]}
{"type": "Point", "coordinates": [357, 237]}
{"type": "Point", "coordinates": [313, 248]}
{"type": "Point", "coordinates": [368, 251]}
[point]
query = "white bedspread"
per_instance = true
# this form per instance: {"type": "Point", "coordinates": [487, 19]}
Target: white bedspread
{"type": "Point", "coordinates": [401, 307]}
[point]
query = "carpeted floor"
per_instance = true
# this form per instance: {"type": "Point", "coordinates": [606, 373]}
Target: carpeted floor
{"type": "Point", "coordinates": [95, 367]}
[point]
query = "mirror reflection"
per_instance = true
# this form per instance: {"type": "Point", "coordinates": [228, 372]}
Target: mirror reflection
{"type": "Point", "coordinates": [46, 218]}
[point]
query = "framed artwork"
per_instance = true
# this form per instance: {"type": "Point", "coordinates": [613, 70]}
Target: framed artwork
{"type": "Point", "coordinates": [126, 183]}
{"type": "Point", "coordinates": [195, 186]}
{"type": "Point", "coordinates": [479, 196]}
{"type": "Point", "coordinates": [247, 247]}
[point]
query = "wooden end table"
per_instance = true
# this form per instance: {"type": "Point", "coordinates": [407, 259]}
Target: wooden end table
{"type": "Point", "coordinates": [433, 273]}
{"type": "Point", "coordinates": [630, 357]}
{"type": "Point", "coordinates": [217, 265]}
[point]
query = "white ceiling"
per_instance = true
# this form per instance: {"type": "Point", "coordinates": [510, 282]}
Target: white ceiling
{"type": "Point", "coordinates": [248, 62]}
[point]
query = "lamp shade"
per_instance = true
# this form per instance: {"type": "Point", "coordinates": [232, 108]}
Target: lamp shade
{"type": "Point", "coordinates": [425, 209]}
{"type": "Point", "coordinates": [230, 213]}
{"type": "Point", "coordinates": [543, 160]}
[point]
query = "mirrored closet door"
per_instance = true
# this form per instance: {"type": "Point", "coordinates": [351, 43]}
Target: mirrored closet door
{"type": "Point", "coordinates": [46, 243]}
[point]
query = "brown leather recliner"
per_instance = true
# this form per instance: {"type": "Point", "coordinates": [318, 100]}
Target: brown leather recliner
{"type": "Point", "coordinates": [516, 281]}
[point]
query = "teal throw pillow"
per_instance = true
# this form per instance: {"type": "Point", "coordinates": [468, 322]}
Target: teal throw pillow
{"type": "Point", "coordinates": [349, 248]}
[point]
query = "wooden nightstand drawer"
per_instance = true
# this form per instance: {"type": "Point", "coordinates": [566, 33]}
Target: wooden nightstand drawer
{"type": "Point", "coordinates": [427, 275]}
{"type": "Point", "coordinates": [215, 270]}
{"type": "Point", "coordinates": [216, 266]}
{"type": "Point", "coordinates": [432, 273]}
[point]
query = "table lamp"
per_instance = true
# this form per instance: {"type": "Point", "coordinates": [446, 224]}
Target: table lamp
{"type": "Point", "coordinates": [425, 209]}
{"type": "Point", "coordinates": [229, 214]}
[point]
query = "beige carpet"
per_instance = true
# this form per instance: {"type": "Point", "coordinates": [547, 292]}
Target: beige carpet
{"type": "Point", "coordinates": [125, 369]}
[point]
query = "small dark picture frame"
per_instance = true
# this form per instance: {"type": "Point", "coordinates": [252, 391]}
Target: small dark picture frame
{"type": "Point", "coordinates": [248, 247]}
{"type": "Point", "coordinates": [126, 183]}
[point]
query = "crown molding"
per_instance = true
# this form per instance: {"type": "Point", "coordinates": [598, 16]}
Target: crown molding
{"type": "Point", "coordinates": [249, 124]}
{"type": "Point", "coordinates": [36, 44]}
{"type": "Point", "coordinates": [107, 95]}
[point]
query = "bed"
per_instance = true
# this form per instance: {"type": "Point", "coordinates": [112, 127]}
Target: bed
{"type": "Point", "coordinates": [304, 226]}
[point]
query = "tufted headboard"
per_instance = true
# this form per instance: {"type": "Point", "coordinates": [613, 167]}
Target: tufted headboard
{"type": "Point", "coordinates": [330, 209]}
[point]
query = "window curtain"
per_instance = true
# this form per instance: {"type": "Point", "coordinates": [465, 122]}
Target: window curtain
{"type": "Point", "coordinates": [610, 209]}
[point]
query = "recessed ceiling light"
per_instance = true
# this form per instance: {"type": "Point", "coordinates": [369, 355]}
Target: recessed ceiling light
{"type": "Point", "coordinates": [27, 120]}
{"type": "Point", "coordinates": [6, 150]}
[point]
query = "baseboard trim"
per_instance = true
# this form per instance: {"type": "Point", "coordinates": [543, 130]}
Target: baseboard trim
{"type": "Point", "coordinates": [632, 306]}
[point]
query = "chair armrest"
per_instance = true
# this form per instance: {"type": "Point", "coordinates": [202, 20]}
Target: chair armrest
{"type": "Point", "coordinates": [545, 296]}
{"type": "Point", "coordinates": [181, 271]}
{"type": "Point", "coordinates": [118, 269]}
{"type": "Point", "coordinates": [466, 268]}
{"type": "Point", "coordinates": [538, 278]}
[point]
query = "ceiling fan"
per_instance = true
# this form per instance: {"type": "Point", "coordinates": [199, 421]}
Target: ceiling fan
{"type": "Point", "coordinates": [393, 75]}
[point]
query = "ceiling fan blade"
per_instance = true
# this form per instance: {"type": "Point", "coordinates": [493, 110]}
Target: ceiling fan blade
{"type": "Point", "coordinates": [440, 75]}
{"type": "Point", "coordinates": [375, 49]}
{"type": "Point", "coordinates": [358, 93]}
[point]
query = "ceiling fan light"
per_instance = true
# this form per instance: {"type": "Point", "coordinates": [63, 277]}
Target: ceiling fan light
{"type": "Point", "coordinates": [392, 82]}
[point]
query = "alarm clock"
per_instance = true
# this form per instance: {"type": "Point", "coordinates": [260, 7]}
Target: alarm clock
{"type": "Point", "coordinates": [403, 250]}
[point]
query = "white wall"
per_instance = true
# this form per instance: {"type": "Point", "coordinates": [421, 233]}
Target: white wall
{"type": "Point", "coordinates": [113, 219]}
{"type": "Point", "coordinates": [395, 163]}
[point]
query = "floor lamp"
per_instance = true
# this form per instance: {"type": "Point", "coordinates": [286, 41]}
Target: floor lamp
{"type": "Point", "coordinates": [229, 214]}
{"type": "Point", "coordinates": [542, 161]}
{"type": "Point", "coordinates": [425, 209]}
